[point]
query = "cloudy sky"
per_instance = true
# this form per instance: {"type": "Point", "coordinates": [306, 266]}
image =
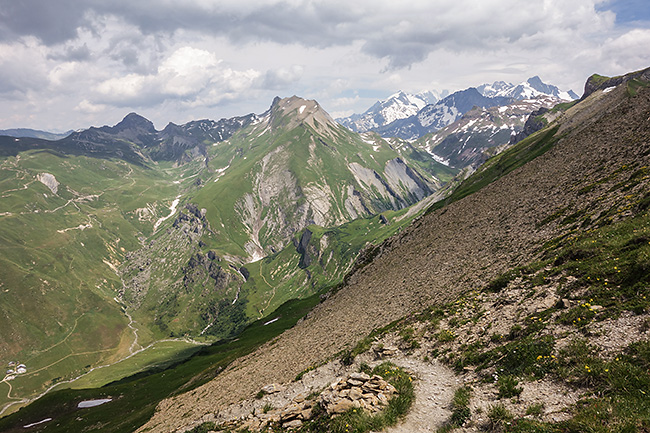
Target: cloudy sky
{"type": "Point", "coordinates": [68, 64]}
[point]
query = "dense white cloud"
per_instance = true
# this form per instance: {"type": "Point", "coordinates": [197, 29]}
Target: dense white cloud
{"type": "Point", "coordinates": [171, 60]}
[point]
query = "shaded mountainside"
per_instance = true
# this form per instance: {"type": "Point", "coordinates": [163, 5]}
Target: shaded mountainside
{"type": "Point", "coordinates": [588, 165]}
{"type": "Point", "coordinates": [34, 133]}
{"type": "Point", "coordinates": [134, 139]}
{"type": "Point", "coordinates": [470, 140]}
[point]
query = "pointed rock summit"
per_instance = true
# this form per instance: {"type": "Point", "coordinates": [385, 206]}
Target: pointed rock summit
{"type": "Point", "coordinates": [293, 111]}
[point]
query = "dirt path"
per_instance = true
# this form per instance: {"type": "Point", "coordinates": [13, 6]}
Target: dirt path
{"type": "Point", "coordinates": [434, 389]}
{"type": "Point", "coordinates": [9, 397]}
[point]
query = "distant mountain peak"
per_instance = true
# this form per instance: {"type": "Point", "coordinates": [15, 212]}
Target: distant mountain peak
{"type": "Point", "coordinates": [397, 95]}
{"type": "Point", "coordinates": [135, 121]}
{"type": "Point", "coordinates": [491, 90]}
{"type": "Point", "coordinates": [531, 88]}
{"type": "Point", "coordinates": [397, 106]}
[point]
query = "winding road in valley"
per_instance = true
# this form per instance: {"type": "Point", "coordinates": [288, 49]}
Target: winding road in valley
{"type": "Point", "coordinates": [132, 352]}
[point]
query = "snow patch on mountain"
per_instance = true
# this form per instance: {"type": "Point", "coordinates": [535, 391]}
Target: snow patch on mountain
{"type": "Point", "coordinates": [438, 158]}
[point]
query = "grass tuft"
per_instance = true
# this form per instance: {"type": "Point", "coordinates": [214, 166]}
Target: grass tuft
{"type": "Point", "coordinates": [508, 387]}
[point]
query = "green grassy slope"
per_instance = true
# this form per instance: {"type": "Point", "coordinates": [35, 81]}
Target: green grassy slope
{"type": "Point", "coordinates": [58, 258]}
{"type": "Point", "coordinates": [331, 252]}
{"type": "Point", "coordinates": [251, 196]}
{"type": "Point", "coordinates": [135, 398]}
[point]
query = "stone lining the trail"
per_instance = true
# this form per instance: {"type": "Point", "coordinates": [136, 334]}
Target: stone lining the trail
{"type": "Point", "coordinates": [354, 391]}
{"type": "Point", "coordinates": [358, 390]}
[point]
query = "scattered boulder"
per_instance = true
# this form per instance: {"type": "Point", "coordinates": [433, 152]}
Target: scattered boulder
{"type": "Point", "coordinates": [292, 424]}
{"type": "Point", "coordinates": [273, 388]}
{"type": "Point", "coordinates": [382, 351]}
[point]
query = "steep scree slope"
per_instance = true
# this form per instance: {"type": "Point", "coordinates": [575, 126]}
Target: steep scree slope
{"type": "Point", "coordinates": [448, 251]}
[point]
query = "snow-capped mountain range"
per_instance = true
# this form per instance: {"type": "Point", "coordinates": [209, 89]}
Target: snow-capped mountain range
{"type": "Point", "coordinates": [529, 89]}
{"type": "Point", "coordinates": [403, 115]}
{"type": "Point", "coordinates": [468, 140]}
{"type": "Point", "coordinates": [397, 106]}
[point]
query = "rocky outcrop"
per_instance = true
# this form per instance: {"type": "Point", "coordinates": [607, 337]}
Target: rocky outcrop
{"type": "Point", "coordinates": [49, 181]}
{"type": "Point", "coordinates": [289, 417]}
{"type": "Point", "coordinates": [353, 391]}
{"type": "Point", "coordinates": [598, 82]}
{"type": "Point", "coordinates": [201, 269]}
{"type": "Point", "coordinates": [532, 125]}
{"type": "Point", "coordinates": [193, 289]}
{"type": "Point", "coordinates": [303, 248]}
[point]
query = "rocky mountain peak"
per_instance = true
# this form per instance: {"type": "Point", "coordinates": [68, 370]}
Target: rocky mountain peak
{"type": "Point", "coordinates": [293, 111]}
{"type": "Point", "coordinates": [491, 90]}
{"type": "Point", "coordinates": [537, 84]}
{"type": "Point", "coordinates": [406, 98]}
{"type": "Point", "coordinates": [135, 121]}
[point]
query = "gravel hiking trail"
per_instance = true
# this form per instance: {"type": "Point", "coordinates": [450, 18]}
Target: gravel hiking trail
{"type": "Point", "coordinates": [434, 389]}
